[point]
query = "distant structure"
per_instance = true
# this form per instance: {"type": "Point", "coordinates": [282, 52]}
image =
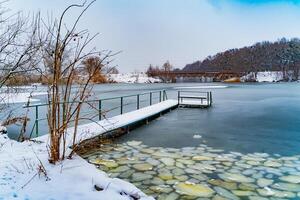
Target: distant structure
{"type": "Point", "coordinates": [194, 76]}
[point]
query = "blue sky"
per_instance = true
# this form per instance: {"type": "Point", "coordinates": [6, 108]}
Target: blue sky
{"type": "Point", "coordinates": [181, 31]}
{"type": "Point", "coordinates": [257, 2]}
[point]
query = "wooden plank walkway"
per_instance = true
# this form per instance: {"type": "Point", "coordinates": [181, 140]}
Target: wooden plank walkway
{"type": "Point", "coordinates": [94, 129]}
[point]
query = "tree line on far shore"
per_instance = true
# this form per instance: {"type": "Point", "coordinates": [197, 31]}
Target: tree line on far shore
{"type": "Point", "coordinates": [282, 55]}
{"type": "Point", "coordinates": [86, 68]}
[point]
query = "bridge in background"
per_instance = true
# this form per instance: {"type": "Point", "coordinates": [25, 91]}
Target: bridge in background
{"type": "Point", "coordinates": [195, 76]}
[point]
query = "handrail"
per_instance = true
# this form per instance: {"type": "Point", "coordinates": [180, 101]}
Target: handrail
{"type": "Point", "coordinates": [95, 100]}
{"type": "Point", "coordinates": [207, 96]}
{"type": "Point", "coordinates": [193, 91]}
{"type": "Point", "coordinates": [132, 95]}
{"type": "Point", "coordinates": [162, 97]}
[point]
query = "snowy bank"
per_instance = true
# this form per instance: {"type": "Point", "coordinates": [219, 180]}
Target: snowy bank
{"type": "Point", "coordinates": [25, 173]}
{"type": "Point", "coordinates": [22, 97]}
{"type": "Point", "coordinates": [268, 76]}
{"type": "Point", "coordinates": [132, 78]}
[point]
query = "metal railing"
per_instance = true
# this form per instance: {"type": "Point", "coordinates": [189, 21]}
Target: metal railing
{"type": "Point", "coordinates": [162, 96]}
{"type": "Point", "coordinates": [199, 96]}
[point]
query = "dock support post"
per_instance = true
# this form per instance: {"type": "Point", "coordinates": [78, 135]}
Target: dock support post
{"type": "Point", "coordinates": [100, 108]}
{"type": "Point", "coordinates": [121, 105]}
{"type": "Point", "coordinates": [36, 121]}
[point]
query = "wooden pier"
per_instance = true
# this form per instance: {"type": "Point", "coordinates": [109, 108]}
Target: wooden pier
{"type": "Point", "coordinates": [124, 123]}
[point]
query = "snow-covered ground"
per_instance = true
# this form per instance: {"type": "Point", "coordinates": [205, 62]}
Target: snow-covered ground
{"type": "Point", "coordinates": [266, 76]}
{"type": "Point", "coordinates": [132, 78]}
{"type": "Point", "coordinates": [25, 172]}
{"type": "Point", "coordinates": [269, 76]}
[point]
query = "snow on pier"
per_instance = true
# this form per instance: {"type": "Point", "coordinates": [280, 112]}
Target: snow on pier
{"type": "Point", "coordinates": [94, 129]}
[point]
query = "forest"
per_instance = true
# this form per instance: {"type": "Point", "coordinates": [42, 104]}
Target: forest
{"type": "Point", "coordinates": [281, 55]}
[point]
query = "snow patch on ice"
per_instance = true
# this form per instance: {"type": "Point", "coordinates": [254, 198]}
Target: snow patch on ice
{"type": "Point", "coordinates": [203, 87]}
{"type": "Point", "coordinates": [132, 78]}
{"type": "Point", "coordinates": [197, 136]}
{"type": "Point", "coordinates": [23, 97]}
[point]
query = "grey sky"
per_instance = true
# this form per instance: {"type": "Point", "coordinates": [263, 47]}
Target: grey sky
{"type": "Point", "coordinates": [181, 31]}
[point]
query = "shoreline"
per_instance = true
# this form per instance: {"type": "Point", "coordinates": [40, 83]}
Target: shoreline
{"type": "Point", "coordinates": [27, 174]}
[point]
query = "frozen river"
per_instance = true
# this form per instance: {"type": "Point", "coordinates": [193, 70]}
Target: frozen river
{"type": "Point", "coordinates": [246, 146]}
{"type": "Point", "coordinates": [244, 118]}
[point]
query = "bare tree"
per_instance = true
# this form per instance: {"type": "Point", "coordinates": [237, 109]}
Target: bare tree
{"type": "Point", "coordinates": [94, 67]}
{"type": "Point", "coordinates": [67, 92]}
{"type": "Point", "coordinates": [18, 56]}
{"type": "Point", "coordinates": [18, 45]}
{"type": "Point", "coordinates": [167, 67]}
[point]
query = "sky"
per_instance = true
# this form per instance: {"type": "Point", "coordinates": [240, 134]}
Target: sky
{"type": "Point", "coordinates": [181, 31]}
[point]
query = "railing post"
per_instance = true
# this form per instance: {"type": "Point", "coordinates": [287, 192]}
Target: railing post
{"type": "Point", "coordinates": [159, 96]}
{"type": "Point", "coordinates": [211, 99]}
{"type": "Point", "coordinates": [150, 98]}
{"type": "Point", "coordinates": [207, 99]}
{"type": "Point", "coordinates": [137, 101]}
{"type": "Point", "coordinates": [164, 95]}
{"type": "Point", "coordinates": [178, 96]}
{"type": "Point", "coordinates": [36, 121]}
{"type": "Point", "coordinates": [100, 108]}
{"type": "Point", "coordinates": [121, 105]}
